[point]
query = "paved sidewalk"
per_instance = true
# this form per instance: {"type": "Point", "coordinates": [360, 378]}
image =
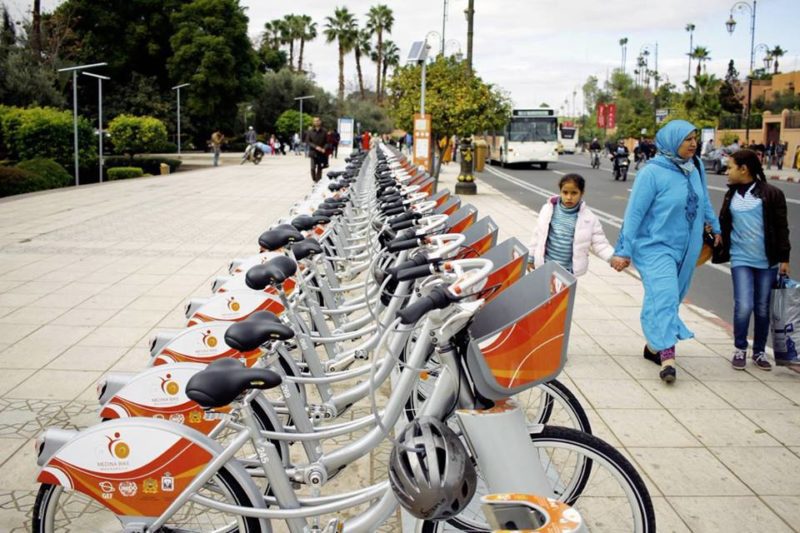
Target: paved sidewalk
{"type": "Point", "coordinates": [719, 449]}
{"type": "Point", "coordinates": [86, 275]}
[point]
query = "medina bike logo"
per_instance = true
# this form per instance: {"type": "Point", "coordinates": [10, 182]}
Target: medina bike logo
{"type": "Point", "coordinates": [233, 305]}
{"type": "Point", "coordinates": [118, 448]}
{"type": "Point", "coordinates": [210, 340]}
{"type": "Point", "coordinates": [168, 386]}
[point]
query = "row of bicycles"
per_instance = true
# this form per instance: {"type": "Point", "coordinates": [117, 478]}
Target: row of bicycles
{"type": "Point", "coordinates": [377, 314]}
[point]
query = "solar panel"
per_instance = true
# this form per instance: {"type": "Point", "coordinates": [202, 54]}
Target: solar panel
{"type": "Point", "coordinates": [418, 52]}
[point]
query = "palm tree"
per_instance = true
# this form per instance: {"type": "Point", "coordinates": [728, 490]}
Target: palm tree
{"type": "Point", "coordinates": [380, 19]}
{"type": "Point", "coordinates": [391, 58]}
{"type": "Point", "coordinates": [623, 43]}
{"type": "Point", "coordinates": [776, 53]}
{"type": "Point", "coordinates": [362, 46]}
{"type": "Point", "coordinates": [308, 32]}
{"type": "Point", "coordinates": [341, 27]}
{"type": "Point", "coordinates": [290, 31]}
{"type": "Point", "coordinates": [700, 53]}
{"type": "Point", "coordinates": [273, 33]}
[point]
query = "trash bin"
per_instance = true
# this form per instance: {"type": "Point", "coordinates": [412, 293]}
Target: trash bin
{"type": "Point", "coordinates": [164, 169]}
{"type": "Point", "coordinates": [481, 151]}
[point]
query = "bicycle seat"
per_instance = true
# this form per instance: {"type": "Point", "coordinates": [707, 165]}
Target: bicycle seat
{"type": "Point", "coordinates": [335, 173]}
{"type": "Point", "coordinates": [306, 248]}
{"type": "Point", "coordinates": [327, 212]}
{"type": "Point", "coordinates": [304, 222]}
{"type": "Point", "coordinates": [248, 335]}
{"type": "Point", "coordinates": [335, 201]}
{"type": "Point", "coordinates": [264, 316]}
{"type": "Point", "coordinates": [279, 237]}
{"type": "Point", "coordinates": [224, 380]}
{"type": "Point", "coordinates": [273, 272]}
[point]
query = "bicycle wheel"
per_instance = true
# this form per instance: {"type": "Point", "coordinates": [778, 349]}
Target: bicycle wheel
{"type": "Point", "coordinates": [58, 510]}
{"type": "Point", "coordinates": [585, 472]}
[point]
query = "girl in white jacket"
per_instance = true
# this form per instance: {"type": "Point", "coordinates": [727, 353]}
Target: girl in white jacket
{"type": "Point", "coordinates": [567, 229]}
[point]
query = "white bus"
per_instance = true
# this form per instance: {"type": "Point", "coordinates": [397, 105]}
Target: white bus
{"type": "Point", "coordinates": [530, 137]}
{"type": "Point", "coordinates": [568, 137]}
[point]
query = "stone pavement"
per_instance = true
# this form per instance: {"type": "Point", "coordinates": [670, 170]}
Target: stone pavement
{"type": "Point", "coordinates": [86, 276]}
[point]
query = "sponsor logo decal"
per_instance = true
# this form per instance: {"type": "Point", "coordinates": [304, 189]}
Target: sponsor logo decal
{"type": "Point", "coordinates": [127, 488]}
{"type": "Point", "coordinates": [209, 339]}
{"type": "Point", "coordinates": [150, 486]}
{"type": "Point", "coordinates": [117, 448]}
{"type": "Point", "coordinates": [108, 489]}
{"type": "Point", "coordinates": [233, 305]}
{"type": "Point", "coordinates": [168, 386]}
{"type": "Point", "coordinates": [195, 417]}
{"type": "Point", "coordinates": [167, 482]}
{"type": "Point", "coordinates": [177, 418]}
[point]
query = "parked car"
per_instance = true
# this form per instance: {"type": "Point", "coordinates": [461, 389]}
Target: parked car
{"type": "Point", "coordinates": [716, 161]}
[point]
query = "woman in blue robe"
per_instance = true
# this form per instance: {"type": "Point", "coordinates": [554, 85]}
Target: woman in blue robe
{"type": "Point", "coordinates": [662, 234]}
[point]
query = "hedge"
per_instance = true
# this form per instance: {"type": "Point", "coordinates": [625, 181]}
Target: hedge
{"type": "Point", "coordinates": [135, 135]}
{"type": "Point", "coordinates": [151, 165]}
{"type": "Point", "coordinates": [43, 132]}
{"type": "Point", "coordinates": [49, 172]}
{"type": "Point", "coordinates": [15, 181]}
{"type": "Point", "coordinates": [123, 173]}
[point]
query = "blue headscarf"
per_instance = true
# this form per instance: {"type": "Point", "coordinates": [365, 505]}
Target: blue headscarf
{"type": "Point", "coordinates": [669, 139]}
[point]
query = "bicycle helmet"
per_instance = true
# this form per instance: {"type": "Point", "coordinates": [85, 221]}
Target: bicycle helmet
{"type": "Point", "coordinates": [437, 481]}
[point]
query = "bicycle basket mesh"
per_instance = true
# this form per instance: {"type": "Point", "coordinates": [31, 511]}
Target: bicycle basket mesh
{"type": "Point", "coordinates": [509, 259]}
{"type": "Point", "coordinates": [520, 338]}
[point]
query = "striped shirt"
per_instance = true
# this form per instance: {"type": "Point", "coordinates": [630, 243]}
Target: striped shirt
{"type": "Point", "coordinates": [561, 234]}
{"type": "Point", "coordinates": [747, 237]}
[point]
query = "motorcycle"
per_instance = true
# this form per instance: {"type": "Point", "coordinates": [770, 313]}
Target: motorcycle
{"type": "Point", "coordinates": [621, 163]}
{"type": "Point", "coordinates": [253, 154]}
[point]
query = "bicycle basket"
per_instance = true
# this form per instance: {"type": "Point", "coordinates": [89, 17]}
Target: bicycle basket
{"type": "Point", "coordinates": [509, 258]}
{"type": "Point", "coordinates": [519, 339]}
{"type": "Point", "coordinates": [478, 239]}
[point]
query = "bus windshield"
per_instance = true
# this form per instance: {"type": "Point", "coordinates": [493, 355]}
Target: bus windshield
{"type": "Point", "coordinates": [567, 133]}
{"type": "Point", "coordinates": [522, 129]}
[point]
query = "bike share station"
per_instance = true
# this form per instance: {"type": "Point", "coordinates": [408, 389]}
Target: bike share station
{"type": "Point", "coordinates": [236, 421]}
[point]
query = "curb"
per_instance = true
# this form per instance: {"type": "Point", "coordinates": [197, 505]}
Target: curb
{"type": "Point", "coordinates": [791, 179]}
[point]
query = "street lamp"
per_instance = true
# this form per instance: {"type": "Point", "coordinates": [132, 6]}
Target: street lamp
{"type": "Point", "coordinates": [99, 118]}
{"type": "Point", "coordinates": [452, 42]}
{"type": "Point", "coordinates": [730, 25]}
{"type": "Point", "coordinates": [301, 98]}
{"type": "Point", "coordinates": [439, 38]}
{"type": "Point", "coordinates": [74, 71]}
{"type": "Point", "coordinates": [178, 89]}
{"type": "Point", "coordinates": [645, 51]}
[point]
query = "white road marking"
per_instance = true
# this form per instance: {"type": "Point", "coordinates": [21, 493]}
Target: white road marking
{"type": "Point", "coordinates": [608, 218]}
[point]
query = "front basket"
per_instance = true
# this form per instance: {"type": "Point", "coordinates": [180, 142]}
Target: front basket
{"type": "Point", "coordinates": [520, 338]}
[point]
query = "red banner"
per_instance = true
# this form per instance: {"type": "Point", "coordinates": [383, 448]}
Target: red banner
{"type": "Point", "coordinates": [601, 115]}
{"type": "Point", "coordinates": [611, 116]}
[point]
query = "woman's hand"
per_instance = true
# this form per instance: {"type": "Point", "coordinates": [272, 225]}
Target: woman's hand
{"type": "Point", "coordinates": [783, 269]}
{"type": "Point", "coordinates": [717, 240]}
{"type": "Point", "coordinates": [620, 263]}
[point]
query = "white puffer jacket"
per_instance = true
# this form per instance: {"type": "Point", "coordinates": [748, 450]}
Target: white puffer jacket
{"type": "Point", "coordinates": [588, 234]}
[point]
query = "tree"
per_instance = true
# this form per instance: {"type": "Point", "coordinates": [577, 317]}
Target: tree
{"type": "Point", "coordinates": [290, 30]}
{"type": "Point", "coordinates": [277, 91]}
{"type": "Point", "coordinates": [701, 54]}
{"type": "Point", "coordinates": [380, 19]}
{"type": "Point", "coordinates": [135, 135]}
{"type": "Point", "coordinates": [214, 54]}
{"type": "Point", "coordinates": [342, 28]}
{"type": "Point", "coordinates": [776, 53]}
{"type": "Point", "coordinates": [362, 46]}
{"type": "Point", "coordinates": [459, 102]}
{"type": "Point", "coordinates": [308, 32]}
{"type": "Point", "coordinates": [289, 121]}
{"type": "Point", "coordinates": [730, 91]}
{"type": "Point", "coordinates": [391, 58]}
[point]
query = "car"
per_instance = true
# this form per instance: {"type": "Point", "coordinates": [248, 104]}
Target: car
{"type": "Point", "coordinates": [716, 161]}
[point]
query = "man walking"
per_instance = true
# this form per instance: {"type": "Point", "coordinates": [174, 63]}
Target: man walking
{"type": "Point", "coordinates": [316, 139]}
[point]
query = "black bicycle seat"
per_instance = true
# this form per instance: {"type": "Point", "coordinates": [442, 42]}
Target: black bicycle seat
{"type": "Point", "coordinates": [224, 380]}
{"type": "Point", "coordinates": [304, 222]}
{"type": "Point", "coordinates": [248, 335]}
{"type": "Point", "coordinates": [273, 272]}
{"type": "Point", "coordinates": [268, 316]}
{"type": "Point", "coordinates": [279, 237]}
{"type": "Point", "coordinates": [306, 248]}
{"type": "Point", "coordinates": [327, 212]}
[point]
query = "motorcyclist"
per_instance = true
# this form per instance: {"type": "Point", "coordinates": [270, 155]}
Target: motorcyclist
{"type": "Point", "coordinates": [620, 151]}
{"type": "Point", "coordinates": [595, 146]}
{"type": "Point", "coordinates": [250, 139]}
{"type": "Point", "coordinates": [594, 150]}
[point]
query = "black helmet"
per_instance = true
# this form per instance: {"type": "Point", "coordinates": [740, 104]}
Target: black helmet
{"type": "Point", "coordinates": [437, 481]}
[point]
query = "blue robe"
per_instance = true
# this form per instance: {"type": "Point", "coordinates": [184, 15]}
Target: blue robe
{"type": "Point", "coordinates": [662, 234]}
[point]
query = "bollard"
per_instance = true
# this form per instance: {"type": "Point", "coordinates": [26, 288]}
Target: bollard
{"type": "Point", "coordinates": [466, 180]}
{"type": "Point", "coordinates": [164, 169]}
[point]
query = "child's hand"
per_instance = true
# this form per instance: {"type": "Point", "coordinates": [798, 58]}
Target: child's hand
{"type": "Point", "coordinates": [620, 263]}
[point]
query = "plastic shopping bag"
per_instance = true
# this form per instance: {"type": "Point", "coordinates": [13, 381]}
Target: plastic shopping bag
{"type": "Point", "coordinates": [785, 318]}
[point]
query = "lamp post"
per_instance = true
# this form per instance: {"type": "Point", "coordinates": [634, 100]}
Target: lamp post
{"type": "Point", "coordinates": [300, 99]}
{"type": "Point", "coordinates": [99, 118]}
{"type": "Point", "coordinates": [444, 20]}
{"type": "Point", "coordinates": [451, 43]}
{"type": "Point", "coordinates": [178, 89]}
{"type": "Point", "coordinates": [730, 25]}
{"type": "Point", "coordinates": [74, 71]}
{"type": "Point", "coordinates": [690, 28]}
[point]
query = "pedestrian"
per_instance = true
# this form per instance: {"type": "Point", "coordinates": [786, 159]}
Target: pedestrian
{"type": "Point", "coordinates": [335, 138]}
{"type": "Point", "coordinates": [217, 138]}
{"type": "Point", "coordinates": [662, 234]}
{"type": "Point", "coordinates": [779, 153]}
{"type": "Point", "coordinates": [409, 142]}
{"type": "Point", "coordinates": [755, 239]}
{"type": "Point", "coordinates": [365, 141]}
{"type": "Point", "coordinates": [316, 139]}
{"type": "Point", "coordinates": [567, 229]}
{"type": "Point", "coordinates": [273, 144]}
{"type": "Point", "coordinates": [768, 152]}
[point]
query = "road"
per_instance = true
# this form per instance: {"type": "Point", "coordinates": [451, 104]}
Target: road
{"type": "Point", "coordinates": [711, 288]}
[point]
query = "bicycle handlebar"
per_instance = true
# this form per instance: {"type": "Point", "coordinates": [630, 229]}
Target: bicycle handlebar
{"type": "Point", "coordinates": [439, 298]}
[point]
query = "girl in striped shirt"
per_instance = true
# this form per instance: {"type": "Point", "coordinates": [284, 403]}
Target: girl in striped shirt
{"type": "Point", "coordinates": [567, 229]}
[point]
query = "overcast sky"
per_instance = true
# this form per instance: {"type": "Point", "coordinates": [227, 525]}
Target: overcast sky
{"type": "Point", "coordinates": [543, 50]}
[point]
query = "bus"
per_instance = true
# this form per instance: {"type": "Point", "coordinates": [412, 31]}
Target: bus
{"type": "Point", "coordinates": [530, 137]}
{"type": "Point", "coordinates": [568, 137]}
